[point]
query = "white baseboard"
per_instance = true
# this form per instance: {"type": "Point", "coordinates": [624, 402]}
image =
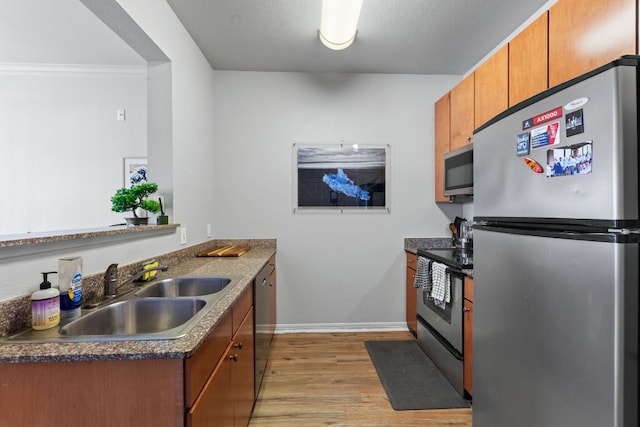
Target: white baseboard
{"type": "Point", "coordinates": [297, 328]}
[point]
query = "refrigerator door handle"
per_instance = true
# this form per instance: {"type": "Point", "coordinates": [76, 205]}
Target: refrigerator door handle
{"type": "Point", "coordinates": [624, 231]}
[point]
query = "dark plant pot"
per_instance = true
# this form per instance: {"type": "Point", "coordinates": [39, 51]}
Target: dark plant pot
{"type": "Point", "coordinates": [162, 219]}
{"type": "Point", "coordinates": [137, 221]}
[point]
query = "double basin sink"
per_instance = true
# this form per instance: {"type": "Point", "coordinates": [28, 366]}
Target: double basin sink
{"type": "Point", "coordinates": [166, 309]}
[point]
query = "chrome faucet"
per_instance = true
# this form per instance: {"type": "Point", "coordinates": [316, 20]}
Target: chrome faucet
{"type": "Point", "coordinates": [111, 278]}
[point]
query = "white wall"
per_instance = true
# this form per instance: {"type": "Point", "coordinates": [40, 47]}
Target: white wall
{"type": "Point", "coordinates": [192, 109]}
{"type": "Point", "coordinates": [333, 269]}
{"type": "Point", "coordinates": [192, 146]}
{"type": "Point", "coordinates": [62, 146]}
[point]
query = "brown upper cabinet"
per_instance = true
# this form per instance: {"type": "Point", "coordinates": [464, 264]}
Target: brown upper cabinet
{"type": "Point", "coordinates": [442, 138]}
{"type": "Point", "coordinates": [492, 87]}
{"type": "Point", "coordinates": [584, 36]}
{"type": "Point", "coordinates": [528, 61]}
{"type": "Point", "coordinates": [462, 113]}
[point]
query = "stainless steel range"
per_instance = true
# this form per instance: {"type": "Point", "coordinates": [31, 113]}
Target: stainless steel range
{"type": "Point", "coordinates": [440, 323]}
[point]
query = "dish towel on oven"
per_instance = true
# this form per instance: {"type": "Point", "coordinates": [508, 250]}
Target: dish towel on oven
{"type": "Point", "coordinates": [441, 284]}
{"type": "Point", "coordinates": [423, 275]}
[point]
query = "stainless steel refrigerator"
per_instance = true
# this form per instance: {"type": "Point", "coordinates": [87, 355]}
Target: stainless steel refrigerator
{"type": "Point", "coordinates": [556, 256]}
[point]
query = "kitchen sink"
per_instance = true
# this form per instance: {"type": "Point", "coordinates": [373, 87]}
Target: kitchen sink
{"type": "Point", "coordinates": [185, 287]}
{"type": "Point", "coordinates": [161, 310]}
{"type": "Point", "coordinates": [144, 316]}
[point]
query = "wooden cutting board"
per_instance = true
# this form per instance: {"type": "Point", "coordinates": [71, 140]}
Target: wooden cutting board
{"type": "Point", "coordinates": [226, 251]}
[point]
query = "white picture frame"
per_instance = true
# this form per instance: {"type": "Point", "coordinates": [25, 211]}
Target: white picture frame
{"type": "Point", "coordinates": [341, 177]}
{"type": "Point", "coordinates": [135, 171]}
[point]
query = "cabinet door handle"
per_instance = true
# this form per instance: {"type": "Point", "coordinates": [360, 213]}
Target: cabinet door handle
{"type": "Point", "coordinates": [234, 357]}
{"type": "Point", "coordinates": [238, 345]}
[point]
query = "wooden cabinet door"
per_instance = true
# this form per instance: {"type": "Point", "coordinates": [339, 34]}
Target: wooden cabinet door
{"type": "Point", "coordinates": [96, 393]}
{"type": "Point", "coordinates": [442, 141]}
{"type": "Point", "coordinates": [491, 95]}
{"type": "Point", "coordinates": [198, 368]}
{"type": "Point", "coordinates": [411, 297]}
{"type": "Point", "coordinates": [528, 61]}
{"type": "Point", "coordinates": [584, 35]}
{"type": "Point", "coordinates": [242, 374]}
{"type": "Point", "coordinates": [215, 405]}
{"type": "Point", "coordinates": [462, 113]}
{"type": "Point", "coordinates": [468, 346]}
{"type": "Point", "coordinates": [272, 292]}
{"type": "Point", "coordinates": [467, 309]}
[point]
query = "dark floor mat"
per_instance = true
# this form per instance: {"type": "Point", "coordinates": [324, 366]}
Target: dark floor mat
{"type": "Point", "coordinates": [410, 378]}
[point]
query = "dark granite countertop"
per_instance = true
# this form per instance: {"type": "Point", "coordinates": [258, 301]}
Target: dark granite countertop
{"type": "Point", "coordinates": [247, 266]}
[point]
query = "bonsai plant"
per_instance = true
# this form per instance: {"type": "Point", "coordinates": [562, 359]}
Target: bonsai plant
{"type": "Point", "coordinates": [133, 198]}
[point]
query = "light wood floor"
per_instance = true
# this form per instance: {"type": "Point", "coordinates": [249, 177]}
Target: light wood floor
{"type": "Point", "coordinates": [328, 380]}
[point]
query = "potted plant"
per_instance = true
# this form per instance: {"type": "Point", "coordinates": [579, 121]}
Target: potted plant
{"type": "Point", "coordinates": [133, 198]}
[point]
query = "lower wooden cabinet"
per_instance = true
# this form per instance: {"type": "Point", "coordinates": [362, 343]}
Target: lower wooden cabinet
{"type": "Point", "coordinates": [467, 309]}
{"type": "Point", "coordinates": [272, 292]}
{"type": "Point", "coordinates": [411, 293]}
{"type": "Point", "coordinates": [216, 403]}
{"type": "Point", "coordinates": [104, 393]}
{"type": "Point", "coordinates": [227, 398]}
{"type": "Point", "coordinates": [213, 387]}
{"type": "Point", "coordinates": [242, 373]}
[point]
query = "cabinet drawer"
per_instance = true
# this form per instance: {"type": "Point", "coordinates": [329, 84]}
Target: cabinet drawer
{"type": "Point", "coordinates": [468, 288]}
{"type": "Point", "coordinates": [241, 307]}
{"type": "Point", "coordinates": [199, 366]}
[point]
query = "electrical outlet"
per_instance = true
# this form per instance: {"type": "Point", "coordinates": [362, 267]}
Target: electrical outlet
{"type": "Point", "coordinates": [183, 235]}
{"type": "Point", "coordinates": [209, 230]}
{"type": "Point", "coordinates": [121, 115]}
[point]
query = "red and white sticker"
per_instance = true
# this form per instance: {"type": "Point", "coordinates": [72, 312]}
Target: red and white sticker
{"type": "Point", "coordinates": [545, 117]}
{"type": "Point", "coordinates": [545, 135]}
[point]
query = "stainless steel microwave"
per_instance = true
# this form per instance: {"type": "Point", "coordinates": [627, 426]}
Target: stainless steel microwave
{"type": "Point", "coordinates": [458, 172]}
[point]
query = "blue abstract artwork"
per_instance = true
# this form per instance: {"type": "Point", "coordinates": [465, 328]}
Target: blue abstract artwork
{"type": "Point", "coordinates": [343, 176]}
{"type": "Point", "coordinates": [341, 183]}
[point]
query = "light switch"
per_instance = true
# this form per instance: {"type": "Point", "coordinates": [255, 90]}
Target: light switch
{"type": "Point", "coordinates": [121, 115]}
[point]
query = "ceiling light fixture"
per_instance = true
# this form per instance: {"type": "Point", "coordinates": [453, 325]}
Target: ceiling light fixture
{"type": "Point", "coordinates": [339, 22]}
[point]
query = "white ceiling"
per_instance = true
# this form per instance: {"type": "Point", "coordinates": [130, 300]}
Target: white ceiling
{"type": "Point", "coordinates": [394, 36]}
{"type": "Point", "coordinates": [59, 32]}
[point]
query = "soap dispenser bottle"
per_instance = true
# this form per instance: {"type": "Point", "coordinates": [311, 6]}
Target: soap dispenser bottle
{"type": "Point", "coordinates": [45, 305]}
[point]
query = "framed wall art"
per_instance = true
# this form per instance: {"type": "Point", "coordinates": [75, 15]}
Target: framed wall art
{"type": "Point", "coordinates": [341, 177]}
{"type": "Point", "coordinates": [135, 171]}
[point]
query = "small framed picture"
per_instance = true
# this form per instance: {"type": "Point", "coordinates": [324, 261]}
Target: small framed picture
{"type": "Point", "coordinates": [135, 171]}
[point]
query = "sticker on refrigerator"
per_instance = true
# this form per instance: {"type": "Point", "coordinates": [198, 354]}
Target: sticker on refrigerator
{"type": "Point", "coordinates": [522, 147]}
{"type": "Point", "coordinates": [570, 160]}
{"type": "Point", "coordinates": [574, 123]}
{"type": "Point", "coordinates": [576, 103]}
{"type": "Point", "coordinates": [545, 135]}
{"type": "Point", "coordinates": [545, 117]}
{"type": "Point", "coordinates": [533, 165]}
